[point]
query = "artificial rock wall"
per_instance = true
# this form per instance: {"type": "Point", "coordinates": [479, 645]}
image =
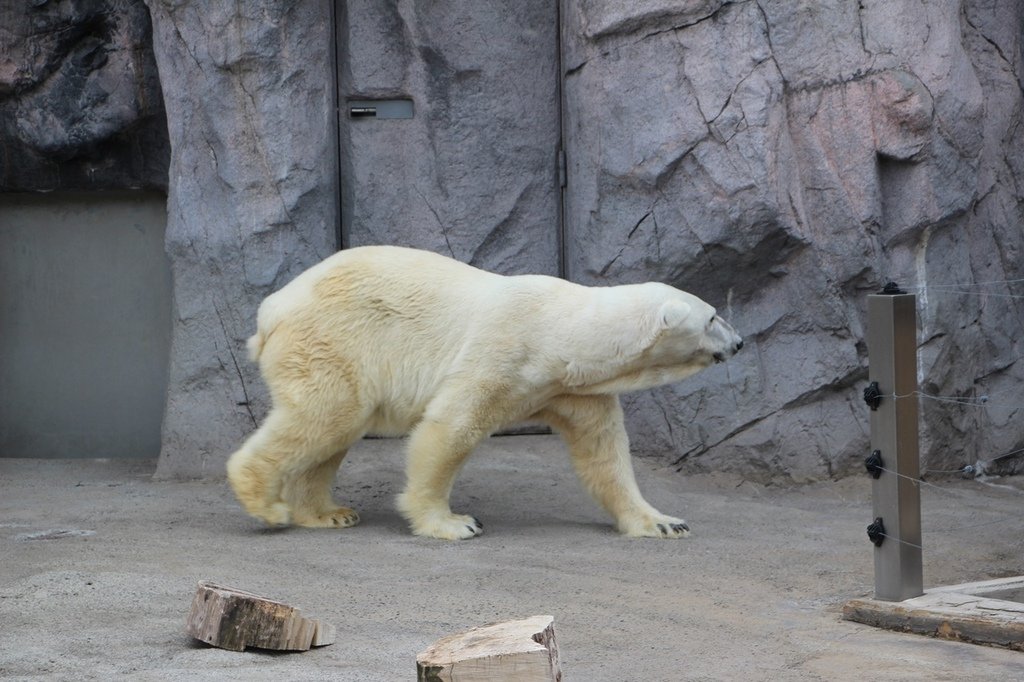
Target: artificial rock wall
{"type": "Point", "coordinates": [784, 159]}
{"type": "Point", "coordinates": [248, 89]}
{"type": "Point", "coordinates": [473, 175]}
{"type": "Point", "coordinates": [781, 159]}
{"type": "Point", "coordinates": [80, 102]}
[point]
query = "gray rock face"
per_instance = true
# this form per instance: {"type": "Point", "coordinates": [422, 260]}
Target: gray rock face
{"type": "Point", "coordinates": [249, 97]}
{"type": "Point", "coordinates": [783, 160]}
{"type": "Point", "coordinates": [473, 173]}
{"type": "Point", "coordinates": [80, 101]}
{"type": "Point", "coordinates": [780, 159]}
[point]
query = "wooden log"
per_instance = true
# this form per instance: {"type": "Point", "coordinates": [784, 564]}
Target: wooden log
{"type": "Point", "coordinates": [946, 613]}
{"type": "Point", "coordinates": [512, 651]}
{"type": "Point", "coordinates": [234, 619]}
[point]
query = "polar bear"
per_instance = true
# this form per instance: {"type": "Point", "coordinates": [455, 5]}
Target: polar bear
{"type": "Point", "coordinates": [395, 341]}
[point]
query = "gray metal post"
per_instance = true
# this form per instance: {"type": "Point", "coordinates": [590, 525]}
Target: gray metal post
{"type": "Point", "coordinates": [892, 350]}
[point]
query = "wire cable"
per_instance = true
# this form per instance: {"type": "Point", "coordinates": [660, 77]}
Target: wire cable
{"type": "Point", "coordinates": [964, 285]}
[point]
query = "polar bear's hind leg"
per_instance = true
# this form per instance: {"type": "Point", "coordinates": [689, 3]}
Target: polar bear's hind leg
{"type": "Point", "coordinates": [255, 476]}
{"type": "Point", "coordinates": [284, 472]}
{"type": "Point", "coordinates": [309, 496]}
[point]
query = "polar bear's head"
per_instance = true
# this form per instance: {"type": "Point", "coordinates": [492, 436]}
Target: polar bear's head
{"type": "Point", "coordinates": [650, 334]}
{"type": "Point", "coordinates": [689, 331]}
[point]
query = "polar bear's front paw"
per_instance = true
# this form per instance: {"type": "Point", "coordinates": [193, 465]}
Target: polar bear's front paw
{"type": "Point", "coordinates": [674, 530]}
{"type": "Point", "coordinates": [448, 526]}
{"type": "Point", "coordinates": [655, 527]}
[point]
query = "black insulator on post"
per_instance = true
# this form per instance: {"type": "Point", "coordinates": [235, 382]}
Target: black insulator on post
{"type": "Point", "coordinates": [876, 532]}
{"type": "Point", "coordinates": [874, 463]}
{"type": "Point", "coordinates": [873, 395]}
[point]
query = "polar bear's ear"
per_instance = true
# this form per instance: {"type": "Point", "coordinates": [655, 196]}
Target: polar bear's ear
{"type": "Point", "coordinates": [673, 312]}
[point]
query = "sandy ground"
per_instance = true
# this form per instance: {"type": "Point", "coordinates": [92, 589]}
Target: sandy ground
{"type": "Point", "coordinates": [754, 594]}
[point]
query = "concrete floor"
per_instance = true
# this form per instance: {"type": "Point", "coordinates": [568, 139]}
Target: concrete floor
{"type": "Point", "coordinates": [754, 594]}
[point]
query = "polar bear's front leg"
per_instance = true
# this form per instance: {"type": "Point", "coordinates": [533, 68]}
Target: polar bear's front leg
{"type": "Point", "coordinates": [594, 429]}
{"type": "Point", "coordinates": [437, 451]}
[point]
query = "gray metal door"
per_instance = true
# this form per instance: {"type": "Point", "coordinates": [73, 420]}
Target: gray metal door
{"type": "Point", "coordinates": [450, 129]}
{"type": "Point", "coordinates": [85, 324]}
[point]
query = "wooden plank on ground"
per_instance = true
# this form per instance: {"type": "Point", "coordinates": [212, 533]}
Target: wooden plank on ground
{"type": "Point", "coordinates": [512, 651]}
{"type": "Point", "coordinates": [951, 613]}
{"type": "Point", "coordinates": [234, 619]}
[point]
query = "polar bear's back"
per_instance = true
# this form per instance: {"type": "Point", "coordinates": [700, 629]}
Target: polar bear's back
{"type": "Point", "coordinates": [388, 322]}
{"type": "Point", "coordinates": [357, 287]}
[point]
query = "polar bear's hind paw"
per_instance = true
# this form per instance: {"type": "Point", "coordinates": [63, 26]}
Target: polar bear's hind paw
{"type": "Point", "coordinates": [655, 527]}
{"type": "Point", "coordinates": [674, 528]}
{"type": "Point", "coordinates": [449, 527]}
{"type": "Point", "coordinates": [277, 515]}
{"type": "Point", "coordinates": [339, 517]}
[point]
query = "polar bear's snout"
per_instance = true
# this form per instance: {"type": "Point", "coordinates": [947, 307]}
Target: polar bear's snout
{"type": "Point", "coordinates": [731, 340]}
{"type": "Point", "coordinates": [720, 357]}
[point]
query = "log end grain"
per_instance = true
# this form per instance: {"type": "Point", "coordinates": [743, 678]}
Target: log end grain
{"type": "Point", "coordinates": [233, 619]}
{"type": "Point", "coordinates": [521, 650]}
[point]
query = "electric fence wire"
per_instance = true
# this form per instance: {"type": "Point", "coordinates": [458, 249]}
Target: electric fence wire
{"type": "Point", "coordinates": [993, 294]}
{"type": "Point", "coordinates": [984, 401]}
{"type": "Point", "coordinates": [965, 401]}
{"type": "Point", "coordinates": [965, 288]}
{"type": "Point", "coordinates": [993, 282]}
{"type": "Point", "coordinates": [946, 491]}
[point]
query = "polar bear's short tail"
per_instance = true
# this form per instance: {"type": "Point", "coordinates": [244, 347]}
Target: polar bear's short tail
{"type": "Point", "coordinates": [255, 346]}
{"type": "Point", "coordinates": [278, 307]}
{"type": "Point", "coordinates": [268, 317]}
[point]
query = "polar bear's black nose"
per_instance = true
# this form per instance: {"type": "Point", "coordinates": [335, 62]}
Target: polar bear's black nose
{"type": "Point", "coordinates": [739, 346]}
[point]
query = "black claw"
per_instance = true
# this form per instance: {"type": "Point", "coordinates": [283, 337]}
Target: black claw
{"type": "Point", "coordinates": [471, 529]}
{"type": "Point", "coordinates": [478, 524]}
{"type": "Point", "coordinates": [663, 529]}
{"type": "Point", "coordinates": [680, 527]}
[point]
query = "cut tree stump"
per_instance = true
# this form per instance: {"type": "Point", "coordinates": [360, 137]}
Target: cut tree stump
{"type": "Point", "coordinates": [234, 619]}
{"type": "Point", "coordinates": [512, 651]}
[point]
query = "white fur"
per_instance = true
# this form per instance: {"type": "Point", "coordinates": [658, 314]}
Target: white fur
{"type": "Point", "coordinates": [396, 341]}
